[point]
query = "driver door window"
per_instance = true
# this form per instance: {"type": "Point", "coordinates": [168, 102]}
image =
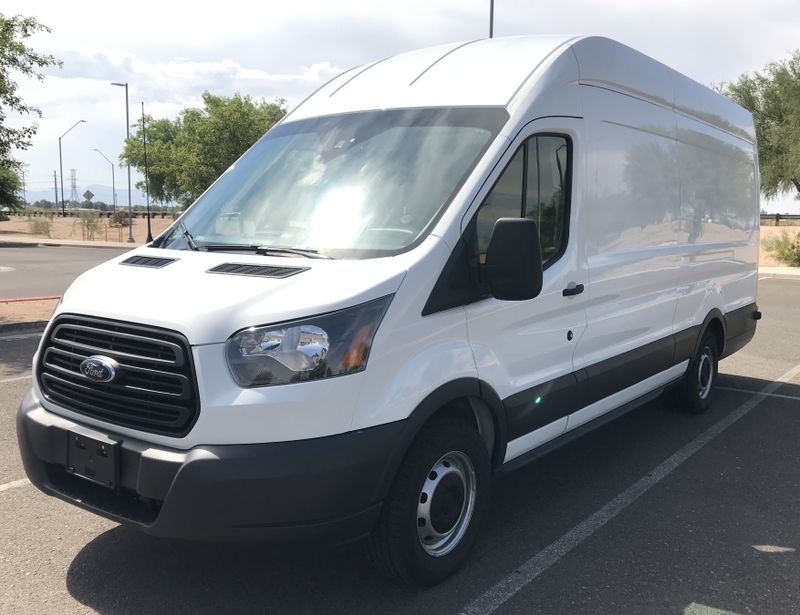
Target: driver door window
{"type": "Point", "coordinates": [535, 184]}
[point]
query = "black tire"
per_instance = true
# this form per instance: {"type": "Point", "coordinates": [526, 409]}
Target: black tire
{"type": "Point", "coordinates": [696, 392]}
{"type": "Point", "coordinates": [396, 544]}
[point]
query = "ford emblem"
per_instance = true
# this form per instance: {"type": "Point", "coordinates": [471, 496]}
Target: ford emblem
{"type": "Point", "coordinates": [99, 368]}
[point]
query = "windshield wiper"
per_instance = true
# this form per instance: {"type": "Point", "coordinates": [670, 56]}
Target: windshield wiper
{"type": "Point", "coordinates": [261, 250]}
{"type": "Point", "coordinates": [230, 247]}
{"type": "Point", "coordinates": [188, 236]}
{"type": "Point", "coordinates": [258, 248]}
{"type": "Point", "coordinates": [269, 251]}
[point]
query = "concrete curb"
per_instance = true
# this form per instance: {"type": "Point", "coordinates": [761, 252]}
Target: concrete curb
{"type": "Point", "coordinates": [25, 299]}
{"type": "Point", "coordinates": [17, 244]}
{"type": "Point", "coordinates": [107, 246]}
{"type": "Point", "coordinates": [779, 272]}
{"type": "Point", "coordinates": [33, 326]}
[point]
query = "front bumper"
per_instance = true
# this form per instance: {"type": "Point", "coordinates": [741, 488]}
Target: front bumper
{"type": "Point", "coordinates": [323, 489]}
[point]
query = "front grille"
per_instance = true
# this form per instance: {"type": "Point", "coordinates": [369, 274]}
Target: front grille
{"type": "Point", "coordinates": [154, 389]}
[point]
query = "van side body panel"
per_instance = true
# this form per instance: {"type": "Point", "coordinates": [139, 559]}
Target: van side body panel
{"type": "Point", "coordinates": [668, 224]}
{"type": "Point", "coordinates": [629, 224]}
{"type": "Point", "coordinates": [719, 232]}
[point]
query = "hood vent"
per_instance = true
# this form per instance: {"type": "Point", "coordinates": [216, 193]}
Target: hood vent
{"type": "Point", "coordinates": [261, 271]}
{"type": "Point", "coordinates": [155, 262]}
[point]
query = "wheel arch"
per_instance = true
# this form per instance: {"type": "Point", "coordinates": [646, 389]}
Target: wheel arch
{"type": "Point", "coordinates": [714, 322]}
{"type": "Point", "coordinates": [468, 398]}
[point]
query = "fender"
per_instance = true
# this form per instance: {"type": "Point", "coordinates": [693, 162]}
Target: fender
{"type": "Point", "coordinates": [717, 314]}
{"type": "Point", "coordinates": [428, 407]}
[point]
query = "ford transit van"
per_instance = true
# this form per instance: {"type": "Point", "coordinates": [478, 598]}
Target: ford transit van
{"type": "Point", "coordinates": [435, 268]}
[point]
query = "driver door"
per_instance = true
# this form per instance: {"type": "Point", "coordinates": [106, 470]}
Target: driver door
{"type": "Point", "coordinates": [524, 349]}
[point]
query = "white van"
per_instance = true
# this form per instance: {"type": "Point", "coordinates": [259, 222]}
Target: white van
{"type": "Point", "coordinates": [437, 267]}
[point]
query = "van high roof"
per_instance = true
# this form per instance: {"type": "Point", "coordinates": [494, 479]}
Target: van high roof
{"type": "Point", "coordinates": [509, 71]}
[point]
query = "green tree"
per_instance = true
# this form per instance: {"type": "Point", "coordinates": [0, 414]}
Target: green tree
{"type": "Point", "coordinates": [10, 185]}
{"type": "Point", "coordinates": [16, 58]}
{"type": "Point", "coordinates": [185, 155]}
{"type": "Point", "coordinates": [773, 97]}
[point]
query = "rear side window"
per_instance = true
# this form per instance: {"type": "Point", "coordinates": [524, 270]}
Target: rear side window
{"type": "Point", "coordinates": [535, 184]}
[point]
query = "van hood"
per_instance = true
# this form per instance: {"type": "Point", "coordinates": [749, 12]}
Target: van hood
{"type": "Point", "coordinates": [208, 308]}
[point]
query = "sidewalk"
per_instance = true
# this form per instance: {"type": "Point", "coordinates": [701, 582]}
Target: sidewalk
{"type": "Point", "coordinates": [21, 242]}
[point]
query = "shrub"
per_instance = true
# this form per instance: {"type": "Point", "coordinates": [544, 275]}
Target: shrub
{"type": "Point", "coordinates": [42, 226]}
{"type": "Point", "coordinates": [786, 248]}
{"type": "Point", "coordinates": [90, 224]}
{"type": "Point", "coordinates": [119, 218]}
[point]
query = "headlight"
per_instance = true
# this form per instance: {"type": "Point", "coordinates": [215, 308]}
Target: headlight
{"type": "Point", "coordinates": [323, 346]}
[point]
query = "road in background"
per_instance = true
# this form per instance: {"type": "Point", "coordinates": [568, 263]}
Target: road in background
{"type": "Point", "coordinates": [45, 270]}
{"type": "Point", "coordinates": [719, 534]}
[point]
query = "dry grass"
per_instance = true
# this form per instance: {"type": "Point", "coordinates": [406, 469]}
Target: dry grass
{"type": "Point", "coordinates": [70, 228]}
{"type": "Point", "coordinates": [767, 259]}
{"type": "Point", "coordinates": [26, 311]}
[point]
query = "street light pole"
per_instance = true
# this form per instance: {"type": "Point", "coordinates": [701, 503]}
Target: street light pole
{"type": "Point", "coordinates": [491, 18]}
{"type": "Point", "coordinates": [24, 189]}
{"type": "Point", "coordinates": [128, 136]}
{"type": "Point", "coordinates": [61, 167]}
{"type": "Point", "coordinates": [146, 180]}
{"type": "Point", "coordinates": [113, 185]}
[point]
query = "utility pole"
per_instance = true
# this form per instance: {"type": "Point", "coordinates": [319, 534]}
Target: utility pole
{"type": "Point", "coordinates": [61, 167]}
{"type": "Point", "coordinates": [128, 136]}
{"type": "Point", "coordinates": [146, 181]}
{"type": "Point", "coordinates": [55, 186]}
{"type": "Point", "coordinates": [24, 191]}
{"type": "Point", "coordinates": [113, 183]}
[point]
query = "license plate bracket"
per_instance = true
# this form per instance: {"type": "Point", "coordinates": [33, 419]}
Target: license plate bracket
{"type": "Point", "coordinates": [93, 457]}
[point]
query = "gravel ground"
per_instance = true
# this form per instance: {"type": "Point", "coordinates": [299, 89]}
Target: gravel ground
{"type": "Point", "coordinates": [26, 311]}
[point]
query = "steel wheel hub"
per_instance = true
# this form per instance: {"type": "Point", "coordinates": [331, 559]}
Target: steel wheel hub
{"type": "Point", "coordinates": [705, 374]}
{"type": "Point", "coordinates": [446, 503]}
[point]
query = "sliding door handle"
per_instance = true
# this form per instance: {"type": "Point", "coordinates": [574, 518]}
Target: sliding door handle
{"type": "Point", "coordinates": [572, 289]}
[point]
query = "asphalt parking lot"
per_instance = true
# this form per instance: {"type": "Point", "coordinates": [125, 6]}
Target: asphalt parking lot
{"type": "Point", "coordinates": [657, 512]}
{"type": "Point", "coordinates": [46, 270]}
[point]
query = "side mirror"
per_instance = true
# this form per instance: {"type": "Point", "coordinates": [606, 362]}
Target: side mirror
{"type": "Point", "coordinates": [514, 260]}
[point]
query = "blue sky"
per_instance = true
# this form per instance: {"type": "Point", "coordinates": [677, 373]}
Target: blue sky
{"type": "Point", "coordinates": [170, 52]}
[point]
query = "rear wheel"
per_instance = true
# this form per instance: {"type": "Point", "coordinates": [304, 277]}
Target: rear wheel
{"type": "Point", "coordinates": [430, 519]}
{"type": "Point", "coordinates": [697, 390]}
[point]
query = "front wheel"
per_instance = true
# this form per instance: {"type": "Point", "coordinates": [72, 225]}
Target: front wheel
{"type": "Point", "coordinates": [430, 519]}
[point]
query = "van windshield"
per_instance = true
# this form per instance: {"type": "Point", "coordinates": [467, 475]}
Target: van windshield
{"type": "Point", "coordinates": [356, 185]}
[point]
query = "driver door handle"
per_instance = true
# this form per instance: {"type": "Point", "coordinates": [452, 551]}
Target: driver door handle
{"type": "Point", "coordinates": [572, 289]}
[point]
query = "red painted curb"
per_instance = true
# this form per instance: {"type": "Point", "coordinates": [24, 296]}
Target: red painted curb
{"type": "Point", "coordinates": [20, 299]}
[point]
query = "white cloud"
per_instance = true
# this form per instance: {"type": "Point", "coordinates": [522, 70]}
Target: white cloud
{"type": "Point", "coordinates": [170, 52]}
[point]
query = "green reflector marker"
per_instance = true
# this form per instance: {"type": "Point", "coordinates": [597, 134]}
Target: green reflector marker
{"type": "Point", "coordinates": [539, 400]}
